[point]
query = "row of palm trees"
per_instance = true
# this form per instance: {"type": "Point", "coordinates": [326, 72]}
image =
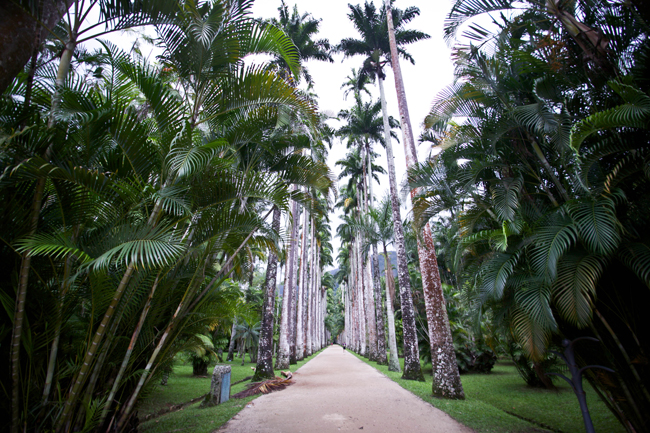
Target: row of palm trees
{"type": "Point", "coordinates": [541, 181]}
{"type": "Point", "coordinates": [134, 193]}
{"type": "Point", "coordinates": [383, 37]}
{"type": "Point", "coordinates": [304, 302]}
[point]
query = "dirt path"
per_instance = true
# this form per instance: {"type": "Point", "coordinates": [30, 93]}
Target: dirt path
{"type": "Point", "coordinates": [334, 392]}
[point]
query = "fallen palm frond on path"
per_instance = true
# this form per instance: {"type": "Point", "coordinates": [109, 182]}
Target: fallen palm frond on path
{"type": "Point", "coordinates": [266, 386]}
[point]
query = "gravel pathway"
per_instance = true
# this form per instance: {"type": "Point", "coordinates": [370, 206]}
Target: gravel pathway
{"type": "Point", "coordinates": [335, 392]}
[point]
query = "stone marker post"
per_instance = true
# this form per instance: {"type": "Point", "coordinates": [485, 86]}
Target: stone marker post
{"type": "Point", "coordinates": [219, 387]}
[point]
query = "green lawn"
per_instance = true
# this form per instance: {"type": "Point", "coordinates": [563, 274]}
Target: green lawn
{"type": "Point", "coordinates": [182, 387]}
{"type": "Point", "coordinates": [498, 401]}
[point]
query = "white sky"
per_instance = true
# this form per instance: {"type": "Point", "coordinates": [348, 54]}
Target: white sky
{"type": "Point", "coordinates": [432, 72]}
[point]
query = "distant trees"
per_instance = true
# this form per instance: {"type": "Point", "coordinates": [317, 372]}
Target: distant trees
{"type": "Point", "coordinates": [302, 282]}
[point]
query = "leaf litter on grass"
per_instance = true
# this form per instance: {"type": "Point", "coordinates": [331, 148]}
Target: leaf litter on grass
{"type": "Point", "coordinates": [264, 387]}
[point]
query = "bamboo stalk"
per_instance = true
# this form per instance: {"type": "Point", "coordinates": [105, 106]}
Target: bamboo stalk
{"type": "Point", "coordinates": [129, 351]}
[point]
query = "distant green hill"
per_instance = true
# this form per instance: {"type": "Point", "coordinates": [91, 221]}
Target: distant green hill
{"type": "Point", "coordinates": [393, 260]}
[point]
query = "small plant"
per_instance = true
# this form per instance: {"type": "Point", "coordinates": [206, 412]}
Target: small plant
{"type": "Point", "coordinates": [477, 358]}
{"type": "Point", "coordinates": [200, 354]}
{"type": "Point", "coordinates": [534, 374]}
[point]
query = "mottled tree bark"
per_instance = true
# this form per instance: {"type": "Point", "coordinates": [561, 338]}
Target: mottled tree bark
{"type": "Point", "coordinates": [282, 360]}
{"type": "Point", "coordinates": [317, 285]}
{"type": "Point", "coordinates": [381, 336]}
{"type": "Point", "coordinates": [264, 367]}
{"type": "Point", "coordinates": [446, 379]}
{"type": "Point", "coordinates": [293, 313]}
{"type": "Point", "coordinates": [363, 340]}
{"type": "Point", "coordinates": [302, 290]}
{"type": "Point", "coordinates": [21, 34]}
{"type": "Point", "coordinates": [393, 363]}
{"type": "Point", "coordinates": [412, 368]}
{"type": "Point", "coordinates": [309, 347]}
{"type": "Point", "coordinates": [371, 315]}
{"type": "Point", "coordinates": [379, 311]}
{"type": "Point", "coordinates": [368, 287]}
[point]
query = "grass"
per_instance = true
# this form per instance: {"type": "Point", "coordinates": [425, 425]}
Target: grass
{"type": "Point", "coordinates": [501, 402]}
{"type": "Point", "coordinates": [182, 387]}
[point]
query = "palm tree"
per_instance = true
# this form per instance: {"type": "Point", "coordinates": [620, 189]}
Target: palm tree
{"type": "Point", "coordinates": [248, 336]}
{"type": "Point", "coordinates": [375, 46]}
{"type": "Point", "coordinates": [356, 84]}
{"type": "Point", "coordinates": [378, 228]}
{"type": "Point", "coordinates": [301, 29]}
{"type": "Point", "coordinates": [364, 127]}
{"type": "Point", "coordinates": [279, 157]}
{"type": "Point", "coordinates": [355, 166]}
{"type": "Point", "coordinates": [115, 18]}
{"type": "Point", "coordinates": [446, 379]}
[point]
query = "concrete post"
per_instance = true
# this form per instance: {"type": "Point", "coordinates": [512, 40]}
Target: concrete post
{"type": "Point", "coordinates": [219, 387]}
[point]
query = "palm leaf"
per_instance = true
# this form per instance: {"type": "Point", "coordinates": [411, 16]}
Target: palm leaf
{"type": "Point", "coordinates": [143, 247]}
{"type": "Point", "coordinates": [635, 113]}
{"type": "Point", "coordinates": [494, 274]}
{"type": "Point", "coordinates": [552, 240]}
{"type": "Point", "coordinates": [505, 196]}
{"type": "Point", "coordinates": [596, 222]}
{"type": "Point", "coordinates": [575, 287]}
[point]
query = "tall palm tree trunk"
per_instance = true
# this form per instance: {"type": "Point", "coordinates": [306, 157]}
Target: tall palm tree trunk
{"type": "Point", "coordinates": [381, 336]}
{"type": "Point", "coordinates": [353, 296]}
{"type": "Point", "coordinates": [317, 285]}
{"type": "Point", "coordinates": [282, 359]}
{"type": "Point", "coordinates": [363, 340]}
{"type": "Point", "coordinates": [302, 290]}
{"type": "Point", "coordinates": [293, 315]}
{"type": "Point", "coordinates": [371, 315]}
{"type": "Point", "coordinates": [346, 324]}
{"type": "Point", "coordinates": [393, 362]}
{"type": "Point", "coordinates": [309, 322]}
{"type": "Point", "coordinates": [412, 368]}
{"type": "Point", "coordinates": [353, 300]}
{"type": "Point", "coordinates": [369, 291]}
{"type": "Point", "coordinates": [264, 367]}
{"type": "Point", "coordinates": [446, 379]}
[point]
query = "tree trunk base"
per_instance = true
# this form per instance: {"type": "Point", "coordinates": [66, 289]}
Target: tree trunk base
{"type": "Point", "coordinates": [263, 371]}
{"type": "Point", "coordinates": [413, 375]}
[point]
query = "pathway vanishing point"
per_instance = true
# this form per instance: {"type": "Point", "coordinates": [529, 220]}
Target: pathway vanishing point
{"type": "Point", "coordinates": [335, 392]}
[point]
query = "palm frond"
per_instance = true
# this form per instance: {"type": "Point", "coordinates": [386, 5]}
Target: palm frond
{"type": "Point", "coordinates": [596, 222]}
{"type": "Point", "coordinates": [575, 287]}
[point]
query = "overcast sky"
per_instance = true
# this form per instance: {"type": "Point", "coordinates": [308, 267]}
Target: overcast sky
{"type": "Point", "coordinates": [432, 71]}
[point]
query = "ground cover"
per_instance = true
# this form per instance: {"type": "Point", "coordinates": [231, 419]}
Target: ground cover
{"type": "Point", "coordinates": [182, 387]}
{"type": "Point", "coordinates": [501, 402]}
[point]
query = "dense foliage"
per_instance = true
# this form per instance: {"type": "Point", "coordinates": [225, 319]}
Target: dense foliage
{"type": "Point", "coordinates": [543, 173]}
{"type": "Point", "coordinates": [132, 193]}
